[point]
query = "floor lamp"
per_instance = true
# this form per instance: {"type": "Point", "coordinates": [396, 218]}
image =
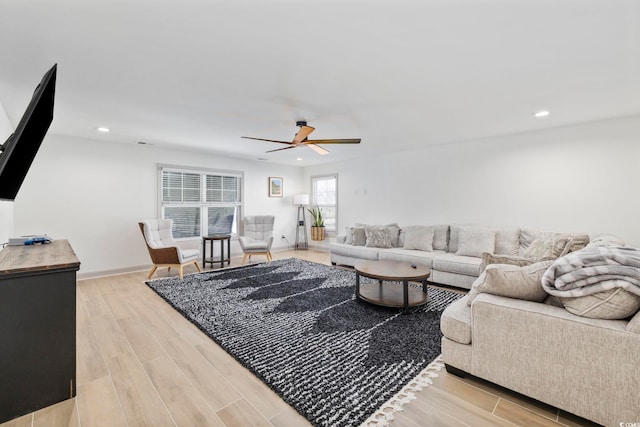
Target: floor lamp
{"type": "Point", "coordinates": [301, 200]}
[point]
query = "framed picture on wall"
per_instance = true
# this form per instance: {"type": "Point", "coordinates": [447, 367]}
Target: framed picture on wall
{"type": "Point", "coordinates": [275, 186]}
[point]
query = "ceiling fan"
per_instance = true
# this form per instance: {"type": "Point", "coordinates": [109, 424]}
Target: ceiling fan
{"type": "Point", "coordinates": [301, 139]}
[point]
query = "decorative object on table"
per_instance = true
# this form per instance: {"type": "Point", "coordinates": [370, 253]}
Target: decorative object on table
{"type": "Point", "coordinates": [300, 139]}
{"type": "Point", "coordinates": [163, 249]}
{"type": "Point", "coordinates": [214, 238]}
{"type": "Point", "coordinates": [296, 325]}
{"type": "Point", "coordinates": [275, 186]}
{"type": "Point", "coordinates": [301, 200]}
{"type": "Point", "coordinates": [317, 228]}
{"type": "Point", "coordinates": [258, 236]}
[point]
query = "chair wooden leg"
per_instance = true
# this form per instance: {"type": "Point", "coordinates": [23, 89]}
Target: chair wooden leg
{"type": "Point", "coordinates": [153, 270]}
{"type": "Point", "coordinates": [198, 266]}
{"type": "Point", "coordinates": [180, 271]}
{"type": "Point", "coordinates": [269, 259]}
{"type": "Point", "coordinates": [244, 258]}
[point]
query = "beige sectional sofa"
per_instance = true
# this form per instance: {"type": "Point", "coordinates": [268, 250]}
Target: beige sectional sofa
{"type": "Point", "coordinates": [453, 252]}
{"type": "Point", "coordinates": [510, 331]}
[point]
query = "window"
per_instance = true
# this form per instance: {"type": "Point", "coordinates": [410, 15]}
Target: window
{"type": "Point", "coordinates": [324, 194]}
{"type": "Point", "coordinates": [201, 202]}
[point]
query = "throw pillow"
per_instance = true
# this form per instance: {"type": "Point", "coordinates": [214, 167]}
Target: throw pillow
{"type": "Point", "coordinates": [607, 240]}
{"type": "Point", "coordinates": [512, 281]}
{"type": "Point", "coordinates": [377, 237]}
{"type": "Point", "coordinates": [393, 230]}
{"type": "Point", "coordinates": [475, 241]}
{"type": "Point", "coordinates": [615, 303]}
{"type": "Point", "coordinates": [359, 236]}
{"type": "Point", "coordinates": [419, 237]}
{"type": "Point", "coordinates": [349, 236]}
{"type": "Point", "coordinates": [555, 247]}
{"type": "Point", "coordinates": [634, 324]}
{"type": "Point", "coordinates": [488, 259]}
{"type": "Point", "coordinates": [440, 237]}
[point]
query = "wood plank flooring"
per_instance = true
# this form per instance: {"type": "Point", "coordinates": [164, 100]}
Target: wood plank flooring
{"type": "Point", "coordinates": [140, 363]}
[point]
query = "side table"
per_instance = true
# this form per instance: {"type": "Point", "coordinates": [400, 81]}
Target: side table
{"type": "Point", "coordinates": [211, 239]}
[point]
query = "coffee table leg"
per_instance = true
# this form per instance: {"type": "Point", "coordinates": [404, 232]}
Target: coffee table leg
{"type": "Point", "coordinates": [405, 293]}
{"type": "Point", "coordinates": [357, 285]}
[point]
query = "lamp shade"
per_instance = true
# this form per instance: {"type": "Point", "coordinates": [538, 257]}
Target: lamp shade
{"type": "Point", "coordinates": [301, 199]}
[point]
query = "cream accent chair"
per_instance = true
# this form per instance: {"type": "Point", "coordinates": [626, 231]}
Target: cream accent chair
{"type": "Point", "coordinates": [163, 249]}
{"type": "Point", "coordinates": [258, 236]}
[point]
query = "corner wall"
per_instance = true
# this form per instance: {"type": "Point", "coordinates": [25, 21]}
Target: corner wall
{"type": "Point", "coordinates": [93, 194]}
{"type": "Point", "coordinates": [581, 178]}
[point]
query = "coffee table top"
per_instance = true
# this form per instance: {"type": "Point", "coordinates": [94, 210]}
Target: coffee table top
{"type": "Point", "coordinates": [392, 270]}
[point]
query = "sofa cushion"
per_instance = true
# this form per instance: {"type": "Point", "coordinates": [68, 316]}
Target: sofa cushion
{"type": "Point", "coordinates": [410, 255]}
{"type": "Point", "coordinates": [507, 240]}
{"type": "Point", "coordinates": [352, 251]}
{"type": "Point", "coordinates": [454, 232]}
{"type": "Point", "coordinates": [455, 322]}
{"type": "Point", "coordinates": [377, 237]}
{"type": "Point", "coordinates": [359, 236]}
{"type": "Point", "coordinates": [520, 282]}
{"type": "Point", "coordinates": [615, 303]}
{"type": "Point", "coordinates": [418, 237]}
{"type": "Point", "coordinates": [634, 324]}
{"type": "Point", "coordinates": [475, 241]}
{"type": "Point", "coordinates": [457, 264]}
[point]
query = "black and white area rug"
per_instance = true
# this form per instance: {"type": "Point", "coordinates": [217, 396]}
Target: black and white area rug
{"type": "Point", "coordinates": [297, 326]}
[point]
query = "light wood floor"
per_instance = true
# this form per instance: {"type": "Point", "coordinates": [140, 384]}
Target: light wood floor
{"type": "Point", "coordinates": [140, 363]}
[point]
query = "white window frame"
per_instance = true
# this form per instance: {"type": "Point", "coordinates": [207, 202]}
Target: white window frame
{"type": "Point", "coordinates": [203, 204]}
{"type": "Point", "coordinates": [330, 230]}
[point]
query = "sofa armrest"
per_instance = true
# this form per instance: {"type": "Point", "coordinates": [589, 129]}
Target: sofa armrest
{"type": "Point", "coordinates": [584, 366]}
{"type": "Point", "coordinates": [341, 238]}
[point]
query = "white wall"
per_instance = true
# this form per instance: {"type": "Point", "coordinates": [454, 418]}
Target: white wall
{"type": "Point", "coordinates": [93, 194]}
{"type": "Point", "coordinates": [576, 179]}
{"type": "Point", "coordinates": [6, 207]}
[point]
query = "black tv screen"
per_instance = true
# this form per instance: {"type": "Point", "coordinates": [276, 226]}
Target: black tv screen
{"type": "Point", "coordinates": [18, 152]}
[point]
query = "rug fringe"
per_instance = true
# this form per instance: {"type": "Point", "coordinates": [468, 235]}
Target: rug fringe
{"type": "Point", "coordinates": [385, 414]}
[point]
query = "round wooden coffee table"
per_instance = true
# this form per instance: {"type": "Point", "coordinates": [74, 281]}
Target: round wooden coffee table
{"type": "Point", "coordinates": [392, 294]}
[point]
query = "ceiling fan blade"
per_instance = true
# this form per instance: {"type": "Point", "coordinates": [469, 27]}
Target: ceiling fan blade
{"type": "Point", "coordinates": [280, 149]}
{"type": "Point", "coordinates": [302, 134]}
{"type": "Point", "coordinates": [334, 141]}
{"type": "Point", "coordinates": [317, 149]}
{"type": "Point", "coordinates": [268, 140]}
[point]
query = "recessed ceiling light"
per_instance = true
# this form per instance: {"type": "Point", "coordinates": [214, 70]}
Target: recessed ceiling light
{"type": "Point", "coordinates": [540, 114]}
{"type": "Point", "coordinates": [103, 129]}
{"type": "Point", "coordinates": [299, 158]}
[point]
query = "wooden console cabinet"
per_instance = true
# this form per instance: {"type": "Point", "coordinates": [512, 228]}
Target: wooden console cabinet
{"type": "Point", "coordinates": [37, 327]}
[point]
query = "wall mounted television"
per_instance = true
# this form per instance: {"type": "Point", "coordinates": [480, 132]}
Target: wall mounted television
{"type": "Point", "coordinates": [18, 152]}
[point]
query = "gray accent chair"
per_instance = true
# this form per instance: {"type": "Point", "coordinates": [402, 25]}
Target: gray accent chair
{"type": "Point", "coordinates": [258, 236]}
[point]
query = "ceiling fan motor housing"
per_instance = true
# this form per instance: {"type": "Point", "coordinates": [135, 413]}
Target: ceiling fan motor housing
{"type": "Point", "coordinates": [301, 123]}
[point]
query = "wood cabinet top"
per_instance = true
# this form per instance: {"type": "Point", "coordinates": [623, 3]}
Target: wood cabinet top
{"type": "Point", "coordinates": [56, 255]}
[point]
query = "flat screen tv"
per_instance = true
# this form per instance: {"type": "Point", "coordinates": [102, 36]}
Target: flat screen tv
{"type": "Point", "coordinates": [18, 152]}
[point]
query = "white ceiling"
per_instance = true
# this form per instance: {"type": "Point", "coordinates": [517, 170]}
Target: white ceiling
{"type": "Point", "coordinates": [400, 74]}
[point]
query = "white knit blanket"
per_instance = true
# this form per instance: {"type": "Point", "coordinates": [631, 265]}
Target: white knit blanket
{"type": "Point", "coordinates": [593, 270]}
